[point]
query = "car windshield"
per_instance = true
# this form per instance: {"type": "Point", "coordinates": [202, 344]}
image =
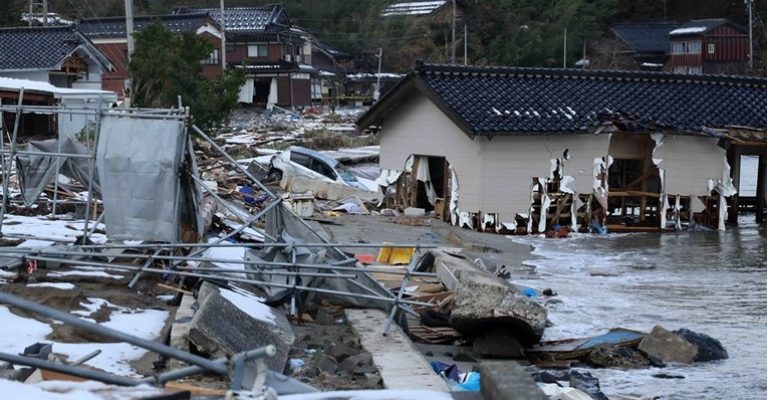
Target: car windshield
{"type": "Point", "coordinates": [346, 174]}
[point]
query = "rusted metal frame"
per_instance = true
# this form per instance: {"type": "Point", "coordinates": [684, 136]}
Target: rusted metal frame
{"type": "Point", "coordinates": [401, 292]}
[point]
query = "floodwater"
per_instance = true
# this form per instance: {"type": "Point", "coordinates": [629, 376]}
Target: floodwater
{"type": "Point", "coordinates": [709, 282]}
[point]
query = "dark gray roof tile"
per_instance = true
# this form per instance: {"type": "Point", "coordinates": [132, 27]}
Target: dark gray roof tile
{"type": "Point", "coordinates": [35, 48]}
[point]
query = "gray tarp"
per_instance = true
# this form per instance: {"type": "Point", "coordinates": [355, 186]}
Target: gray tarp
{"type": "Point", "coordinates": [37, 171]}
{"type": "Point", "coordinates": [139, 166]}
{"type": "Point", "coordinates": [283, 224]}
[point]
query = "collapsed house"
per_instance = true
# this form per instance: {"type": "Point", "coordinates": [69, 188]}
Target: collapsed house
{"type": "Point", "coordinates": [529, 150]}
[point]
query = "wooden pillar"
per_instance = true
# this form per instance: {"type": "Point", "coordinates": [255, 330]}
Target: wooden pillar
{"type": "Point", "coordinates": [734, 160]}
{"type": "Point", "coordinates": [760, 195]}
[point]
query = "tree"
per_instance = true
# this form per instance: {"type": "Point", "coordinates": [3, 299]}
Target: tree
{"type": "Point", "coordinates": [165, 66]}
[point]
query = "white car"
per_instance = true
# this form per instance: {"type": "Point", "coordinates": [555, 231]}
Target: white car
{"type": "Point", "coordinates": [300, 161]}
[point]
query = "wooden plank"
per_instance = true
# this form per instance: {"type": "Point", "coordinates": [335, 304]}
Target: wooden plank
{"type": "Point", "coordinates": [195, 390]}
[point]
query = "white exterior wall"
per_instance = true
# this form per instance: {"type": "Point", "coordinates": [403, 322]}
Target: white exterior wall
{"type": "Point", "coordinates": [510, 163]}
{"type": "Point", "coordinates": [421, 128]}
{"type": "Point", "coordinates": [689, 162]}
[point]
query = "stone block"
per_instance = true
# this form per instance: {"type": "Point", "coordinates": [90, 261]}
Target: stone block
{"type": "Point", "coordinates": [709, 348]}
{"type": "Point", "coordinates": [483, 300]}
{"type": "Point", "coordinates": [506, 380]}
{"type": "Point", "coordinates": [497, 343]}
{"type": "Point", "coordinates": [228, 322]}
{"type": "Point", "coordinates": [667, 346]}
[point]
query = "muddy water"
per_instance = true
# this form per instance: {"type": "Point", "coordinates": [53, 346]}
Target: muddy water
{"type": "Point", "coordinates": [710, 282]}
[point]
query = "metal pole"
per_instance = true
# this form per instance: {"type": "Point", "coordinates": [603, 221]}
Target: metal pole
{"type": "Point", "coordinates": [45, 12]}
{"type": "Point", "coordinates": [129, 28]}
{"type": "Point", "coordinates": [465, 44]}
{"type": "Point", "coordinates": [69, 370]}
{"type": "Point", "coordinates": [565, 46]}
{"type": "Point", "coordinates": [251, 245]}
{"type": "Point", "coordinates": [56, 180]}
{"type": "Point", "coordinates": [7, 168]}
{"type": "Point", "coordinates": [453, 34]}
{"type": "Point", "coordinates": [223, 37]}
{"type": "Point", "coordinates": [91, 168]}
{"type": "Point", "coordinates": [261, 352]}
{"type": "Point", "coordinates": [751, 47]}
{"type": "Point", "coordinates": [401, 292]}
{"type": "Point", "coordinates": [377, 92]}
{"type": "Point", "coordinates": [111, 333]}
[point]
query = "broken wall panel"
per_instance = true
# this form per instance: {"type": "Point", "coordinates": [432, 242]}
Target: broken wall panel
{"type": "Point", "coordinates": [689, 163]}
{"type": "Point", "coordinates": [138, 167]}
{"type": "Point", "coordinates": [422, 129]}
{"type": "Point", "coordinates": [511, 163]}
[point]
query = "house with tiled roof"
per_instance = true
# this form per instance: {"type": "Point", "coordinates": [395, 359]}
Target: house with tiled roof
{"type": "Point", "coordinates": [440, 11]}
{"type": "Point", "coordinates": [276, 55]}
{"type": "Point", "coordinates": [60, 56]}
{"type": "Point", "coordinates": [645, 43]}
{"type": "Point", "coordinates": [708, 46]}
{"type": "Point", "coordinates": [534, 150]}
{"type": "Point", "coordinates": [109, 35]}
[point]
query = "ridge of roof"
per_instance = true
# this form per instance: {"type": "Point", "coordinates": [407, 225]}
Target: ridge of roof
{"type": "Point", "coordinates": [147, 17]}
{"type": "Point", "coordinates": [429, 68]}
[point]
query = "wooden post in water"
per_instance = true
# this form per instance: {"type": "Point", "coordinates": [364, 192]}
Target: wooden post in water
{"type": "Point", "coordinates": [760, 194]}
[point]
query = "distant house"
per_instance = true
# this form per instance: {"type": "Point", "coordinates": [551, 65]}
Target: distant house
{"type": "Point", "coordinates": [60, 56]}
{"type": "Point", "coordinates": [709, 46]}
{"type": "Point", "coordinates": [527, 149]}
{"type": "Point", "coordinates": [441, 11]}
{"type": "Point", "coordinates": [109, 34]}
{"type": "Point", "coordinates": [275, 55]}
{"type": "Point", "coordinates": [644, 44]}
{"type": "Point", "coordinates": [37, 93]}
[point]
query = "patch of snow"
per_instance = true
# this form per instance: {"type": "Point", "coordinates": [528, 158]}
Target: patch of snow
{"type": "Point", "coordinates": [13, 390]}
{"type": "Point", "coordinates": [684, 31]}
{"type": "Point", "coordinates": [165, 297]}
{"type": "Point", "coordinates": [56, 285]}
{"type": "Point", "coordinates": [81, 272]}
{"type": "Point", "coordinates": [652, 65]}
{"type": "Point", "coordinates": [249, 304]}
{"type": "Point", "coordinates": [98, 389]}
{"type": "Point", "coordinates": [41, 228]}
{"type": "Point", "coordinates": [227, 253]}
{"type": "Point", "coordinates": [36, 243]}
{"type": "Point", "coordinates": [372, 395]}
{"type": "Point", "coordinates": [145, 324]}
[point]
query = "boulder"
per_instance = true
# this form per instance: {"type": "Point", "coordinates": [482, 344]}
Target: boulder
{"type": "Point", "coordinates": [358, 364]}
{"type": "Point", "coordinates": [228, 322]}
{"type": "Point", "coordinates": [667, 346]}
{"type": "Point", "coordinates": [502, 380]}
{"type": "Point", "coordinates": [497, 343]}
{"type": "Point", "coordinates": [709, 348]}
{"type": "Point", "coordinates": [607, 356]}
{"type": "Point", "coordinates": [483, 300]}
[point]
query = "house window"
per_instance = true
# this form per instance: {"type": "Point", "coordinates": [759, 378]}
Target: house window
{"type": "Point", "coordinates": [257, 50]}
{"type": "Point", "coordinates": [694, 47]}
{"type": "Point", "coordinates": [711, 48]}
{"type": "Point", "coordinates": [213, 58]}
{"type": "Point", "coordinates": [678, 47]}
{"type": "Point", "coordinates": [694, 70]}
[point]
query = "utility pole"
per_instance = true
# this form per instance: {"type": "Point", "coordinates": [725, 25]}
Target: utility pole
{"type": "Point", "coordinates": [129, 27]}
{"type": "Point", "coordinates": [29, 16]}
{"type": "Point", "coordinates": [223, 37]}
{"type": "Point", "coordinates": [45, 12]}
{"type": "Point", "coordinates": [751, 47]}
{"type": "Point", "coordinates": [465, 43]}
{"type": "Point", "coordinates": [377, 92]}
{"type": "Point", "coordinates": [453, 34]}
{"type": "Point", "coordinates": [565, 45]}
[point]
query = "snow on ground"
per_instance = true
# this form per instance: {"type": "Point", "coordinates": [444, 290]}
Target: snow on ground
{"type": "Point", "coordinates": [371, 395]}
{"type": "Point", "coordinates": [41, 228]}
{"type": "Point", "coordinates": [56, 285]}
{"type": "Point", "coordinates": [65, 390]}
{"type": "Point", "coordinates": [83, 271]}
{"type": "Point", "coordinates": [20, 332]}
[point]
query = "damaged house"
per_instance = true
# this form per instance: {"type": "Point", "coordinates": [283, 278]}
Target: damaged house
{"type": "Point", "coordinates": [529, 150]}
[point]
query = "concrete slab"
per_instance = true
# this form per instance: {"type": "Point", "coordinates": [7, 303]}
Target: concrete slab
{"type": "Point", "coordinates": [180, 328]}
{"type": "Point", "coordinates": [401, 365]}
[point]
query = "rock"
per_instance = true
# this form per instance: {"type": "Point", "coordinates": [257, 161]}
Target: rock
{"type": "Point", "coordinates": [484, 300]}
{"type": "Point", "coordinates": [709, 348]}
{"type": "Point", "coordinates": [358, 364]}
{"type": "Point", "coordinates": [667, 346]}
{"type": "Point", "coordinates": [229, 322]}
{"type": "Point", "coordinates": [503, 380]}
{"type": "Point", "coordinates": [607, 356]}
{"type": "Point", "coordinates": [324, 363]}
{"type": "Point", "coordinates": [588, 384]}
{"type": "Point", "coordinates": [372, 380]}
{"type": "Point", "coordinates": [667, 376]}
{"type": "Point", "coordinates": [497, 343]}
{"type": "Point", "coordinates": [341, 352]}
{"type": "Point", "coordinates": [325, 317]}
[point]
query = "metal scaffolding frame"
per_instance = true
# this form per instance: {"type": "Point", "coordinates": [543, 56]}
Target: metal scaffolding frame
{"type": "Point", "coordinates": [174, 256]}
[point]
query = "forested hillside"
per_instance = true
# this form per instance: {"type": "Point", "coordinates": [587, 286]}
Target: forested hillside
{"type": "Point", "coordinates": [501, 32]}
